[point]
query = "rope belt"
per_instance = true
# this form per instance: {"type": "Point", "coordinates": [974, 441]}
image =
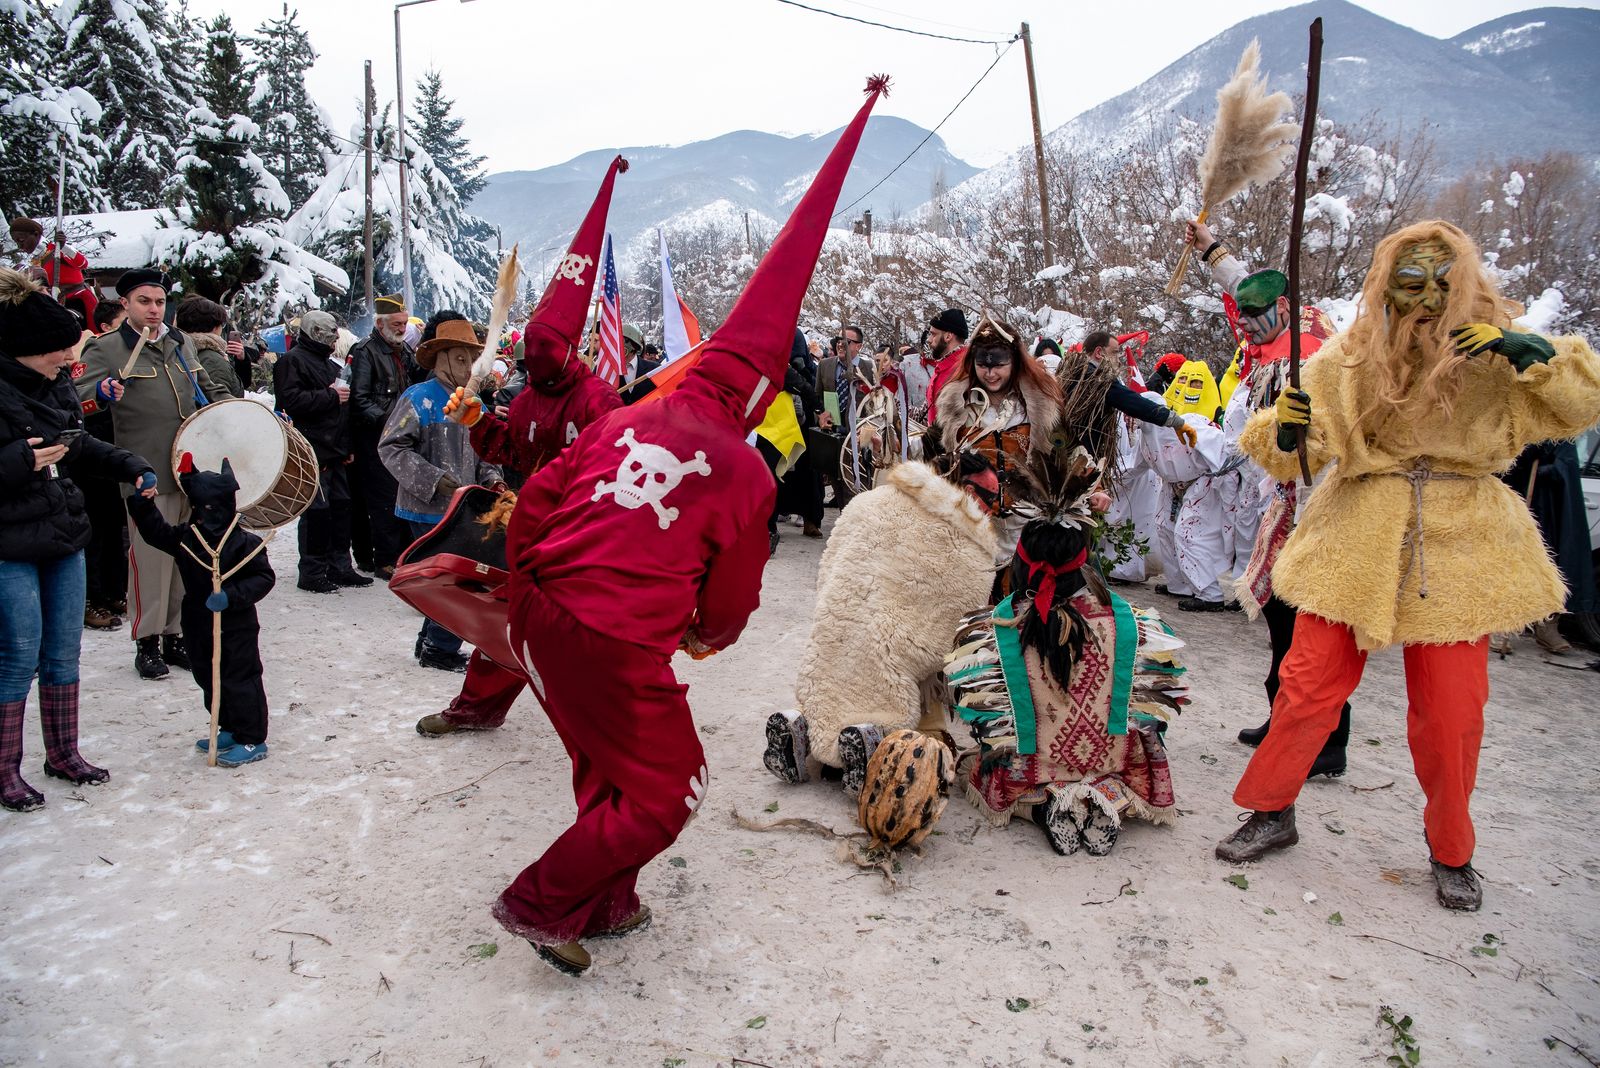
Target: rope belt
{"type": "Point", "coordinates": [1420, 472]}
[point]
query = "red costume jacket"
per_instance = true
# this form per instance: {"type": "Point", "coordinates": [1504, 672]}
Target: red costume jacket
{"type": "Point", "coordinates": [544, 419]}
{"type": "Point", "coordinates": [653, 521]}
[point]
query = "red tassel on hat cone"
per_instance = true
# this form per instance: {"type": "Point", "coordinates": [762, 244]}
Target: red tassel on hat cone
{"type": "Point", "coordinates": [556, 326]}
{"type": "Point", "coordinates": [750, 350]}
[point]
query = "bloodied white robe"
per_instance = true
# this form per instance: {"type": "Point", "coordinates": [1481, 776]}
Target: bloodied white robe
{"type": "Point", "coordinates": [1139, 497]}
{"type": "Point", "coordinates": [1200, 492]}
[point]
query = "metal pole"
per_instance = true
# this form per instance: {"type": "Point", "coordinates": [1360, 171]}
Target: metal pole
{"type": "Point", "coordinates": [400, 141]}
{"type": "Point", "coordinates": [366, 234]}
{"type": "Point", "coordinates": [61, 201]}
{"type": "Point", "coordinates": [1038, 139]}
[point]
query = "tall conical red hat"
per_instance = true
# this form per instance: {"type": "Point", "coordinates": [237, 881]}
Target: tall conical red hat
{"type": "Point", "coordinates": [750, 351]}
{"type": "Point", "coordinates": [556, 326]}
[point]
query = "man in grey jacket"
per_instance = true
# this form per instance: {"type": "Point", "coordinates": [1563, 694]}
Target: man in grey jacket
{"type": "Point", "coordinates": [431, 457]}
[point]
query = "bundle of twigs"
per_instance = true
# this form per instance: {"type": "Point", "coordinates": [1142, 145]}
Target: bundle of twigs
{"type": "Point", "coordinates": [1249, 145]}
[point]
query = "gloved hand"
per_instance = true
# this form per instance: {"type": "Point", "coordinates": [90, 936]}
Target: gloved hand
{"type": "Point", "coordinates": [1293, 411]}
{"type": "Point", "coordinates": [108, 391]}
{"type": "Point", "coordinates": [446, 485]}
{"type": "Point", "coordinates": [464, 408]}
{"type": "Point", "coordinates": [697, 649]}
{"type": "Point", "coordinates": [1186, 433]}
{"type": "Point", "coordinates": [1523, 350]}
{"type": "Point", "coordinates": [217, 601]}
{"type": "Point", "coordinates": [145, 484]}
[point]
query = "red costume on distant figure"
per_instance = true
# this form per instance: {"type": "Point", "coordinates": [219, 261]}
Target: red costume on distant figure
{"type": "Point", "coordinates": [647, 534]}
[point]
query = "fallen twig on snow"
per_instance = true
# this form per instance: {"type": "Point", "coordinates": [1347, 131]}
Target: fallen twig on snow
{"type": "Point", "coordinates": [302, 934]}
{"type": "Point", "coordinates": [1425, 953]}
{"type": "Point", "coordinates": [295, 962]}
{"type": "Point", "coordinates": [384, 986]}
{"type": "Point", "coordinates": [474, 782]}
{"type": "Point", "coordinates": [1120, 891]}
{"type": "Point", "coordinates": [1370, 789]}
{"type": "Point", "coordinates": [1550, 1043]}
{"type": "Point", "coordinates": [793, 823]}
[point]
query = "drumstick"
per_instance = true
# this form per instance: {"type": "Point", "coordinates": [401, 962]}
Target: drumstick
{"type": "Point", "coordinates": [134, 357]}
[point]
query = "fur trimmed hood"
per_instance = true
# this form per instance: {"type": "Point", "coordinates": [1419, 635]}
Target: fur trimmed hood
{"type": "Point", "coordinates": [1043, 413]}
{"type": "Point", "coordinates": [943, 500]}
{"type": "Point", "coordinates": [213, 342]}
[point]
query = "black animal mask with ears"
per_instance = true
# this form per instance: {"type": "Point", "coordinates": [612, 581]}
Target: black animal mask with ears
{"type": "Point", "coordinates": [213, 496]}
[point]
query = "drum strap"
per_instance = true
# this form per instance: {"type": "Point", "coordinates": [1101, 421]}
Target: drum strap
{"type": "Point", "coordinates": [200, 400]}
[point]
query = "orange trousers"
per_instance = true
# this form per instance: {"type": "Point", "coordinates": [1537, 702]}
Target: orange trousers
{"type": "Point", "coordinates": [1446, 689]}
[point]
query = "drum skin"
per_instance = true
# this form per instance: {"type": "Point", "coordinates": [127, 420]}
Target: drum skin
{"type": "Point", "coordinates": [271, 460]}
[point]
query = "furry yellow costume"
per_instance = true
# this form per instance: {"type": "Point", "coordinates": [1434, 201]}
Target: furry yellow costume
{"type": "Point", "coordinates": [1350, 558]}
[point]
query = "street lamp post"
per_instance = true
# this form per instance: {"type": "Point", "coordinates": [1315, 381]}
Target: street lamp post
{"type": "Point", "coordinates": [400, 141]}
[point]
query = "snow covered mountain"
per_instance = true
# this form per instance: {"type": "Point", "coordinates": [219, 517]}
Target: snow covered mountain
{"type": "Point", "coordinates": [1521, 84]}
{"type": "Point", "coordinates": [714, 181]}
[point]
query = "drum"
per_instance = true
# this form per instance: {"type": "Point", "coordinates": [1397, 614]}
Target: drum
{"type": "Point", "coordinates": [271, 460]}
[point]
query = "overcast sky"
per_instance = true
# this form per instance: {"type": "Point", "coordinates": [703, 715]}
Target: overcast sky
{"type": "Point", "coordinates": [540, 82]}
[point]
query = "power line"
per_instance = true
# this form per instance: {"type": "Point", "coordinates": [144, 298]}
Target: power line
{"type": "Point", "coordinates": [931, 132]}
{"type": "Point", "coordinates": [887, 26]}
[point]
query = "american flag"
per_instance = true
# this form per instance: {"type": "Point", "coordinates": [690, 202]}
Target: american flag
{"type": "Point", "coordinates": [611, 361]}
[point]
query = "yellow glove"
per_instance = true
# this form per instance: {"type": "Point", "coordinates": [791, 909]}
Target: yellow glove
{"type": "Point", "coordinates": [1186, 434]}
{"type": "Point", "coordinates": [464, 408]}
{"type": "Point", "coordinates": [1293, 410]}
{"type": "Point", "coordinates": [1522, 350]}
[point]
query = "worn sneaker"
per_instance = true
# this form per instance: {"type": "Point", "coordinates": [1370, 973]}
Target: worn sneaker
{"type": "Point", "coordinates": [174, 652]}
{"type": "Point", "coordinates": [224, 741]}
{"type": "Point", "coordinates": [637, 922]}
{"type": "Point", "coordinates": [1054, 817]}
{"type": "Point", "coordinates": [569, 958]}
{"type": "Point", "coordinates": [1261, 834]}
{"type": "Point", "coordinates": [147, 658]}
{"type": "Point", "coordinates": [1458, 888]}
{"type": "Point", "coordinates": [788, 746]}
{"type": "Point", "coordinates": [236, 755]}
{"type": "Point", "coordinates": [856, 746]}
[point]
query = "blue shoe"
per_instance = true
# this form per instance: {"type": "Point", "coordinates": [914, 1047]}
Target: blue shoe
{"type": "Point", "coordinates": [224, 741]}
{"type": "Point", "coordinates": [236, 755]}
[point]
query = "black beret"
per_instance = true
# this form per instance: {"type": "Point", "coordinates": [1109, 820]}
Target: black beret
{"type": "Point", "coordinates": [953, 321]}
{"type": "Point", "coordinates": [142, 276]}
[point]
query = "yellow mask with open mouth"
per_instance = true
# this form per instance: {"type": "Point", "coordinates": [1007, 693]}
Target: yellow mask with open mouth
{"type": "Point", "coordinates": [1194, 391]}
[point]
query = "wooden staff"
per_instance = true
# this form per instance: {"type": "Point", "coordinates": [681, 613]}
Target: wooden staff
{"type": "Point", "coordinates": [138, 347]}
{"type": "Point", "coordinates": [217, 578]}
{"type": "Point", "coordinates": [1302, 160]}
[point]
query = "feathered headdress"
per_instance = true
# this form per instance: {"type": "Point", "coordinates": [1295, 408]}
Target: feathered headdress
{"type": "Point", "coordinates": [1249, 145]}
{"type": "Point", "coordinates": [1058, 490]}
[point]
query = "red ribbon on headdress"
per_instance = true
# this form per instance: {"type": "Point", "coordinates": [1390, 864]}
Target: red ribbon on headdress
{"type": "Point", "coordinates": [1046, 596]}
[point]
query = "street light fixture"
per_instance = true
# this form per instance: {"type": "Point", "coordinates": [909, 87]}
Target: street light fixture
{"type": "Point", "coordinates": [400, 141]}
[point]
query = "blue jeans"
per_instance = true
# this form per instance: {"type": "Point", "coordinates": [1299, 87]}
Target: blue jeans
{"type": "Point", "coordinates": [432, 635]}
{"type": "Point", "coordinates": [41, 623]}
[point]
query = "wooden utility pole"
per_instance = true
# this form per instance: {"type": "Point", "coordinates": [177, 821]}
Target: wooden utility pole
{"type": "Point", "coordinates": [366, 259]}
{"type": "Point", "coordinates": [748, 246]}
{"type": "Point", "coordinates": [1038, 140]}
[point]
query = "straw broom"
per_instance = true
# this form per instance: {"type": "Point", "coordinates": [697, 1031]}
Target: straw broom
{"type": "Point", "coordinates": [1249, 144]}
{"type": "Point", "coordinates": [505, 291]}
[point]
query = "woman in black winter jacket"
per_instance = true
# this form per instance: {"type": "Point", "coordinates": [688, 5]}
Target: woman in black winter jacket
{"type": "Point", "coordinates": [43, 529]}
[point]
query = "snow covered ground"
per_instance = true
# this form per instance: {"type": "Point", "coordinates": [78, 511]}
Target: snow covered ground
{"type": "Point", "coordinates": [330, 905]}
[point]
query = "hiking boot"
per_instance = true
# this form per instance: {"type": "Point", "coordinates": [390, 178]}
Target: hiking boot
{"type": "Point", "coordinates": [317, 584]}
{"type": "Point", "coordinates": [811, 530]}
{"type": "Point", "coordinates": [99, 617]}
{"type": "Point", "coordinates": [1195, 604]}
{"type": "Point", "coordinates": [569, 958]}
{"type": "Point", "coordinates": [236, 755]}
{"type": "Point", "coordinates": [119, 608]}
{"type": "Point", "coordinates": [1458, 888]}
{"type": "Point", "coordinates": [147, 658]}
{"type": "Point", "coordinates": [1254, 736]}
{"type": "Point", "coordinates": [637, 922]}
{"type": "Point", "coordinates": [174, 653]}
{"type": "Point", "coordinates": [344, 576]}
{"type": "Point", "coordinates": [1054, 817]}
{"type": "Point", "coordinates": [224, 741]}
{"type": "Point", "coordinates": [788, 746]}
{"type": "Point", "coordinates": [1261, 834]}
{"type": "Point", "coordinates": [440, 660]}
{"type": "Point", "coordinates": [1547, 632]}
{"type": "Point", "coordinates": [856, 746]}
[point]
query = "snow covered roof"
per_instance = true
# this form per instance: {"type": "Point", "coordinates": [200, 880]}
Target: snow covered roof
{"type": "Point", "coordinates": [123, 240]}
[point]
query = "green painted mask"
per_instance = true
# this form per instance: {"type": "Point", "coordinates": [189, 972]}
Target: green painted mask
{"type": "Point", "coordinates": [1420, 279]}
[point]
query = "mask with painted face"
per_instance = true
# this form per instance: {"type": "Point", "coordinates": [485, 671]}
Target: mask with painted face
{"type": "Point", "coordinates": [1420, 282]}
{"type": "Point", "coordinates": [1194, 391]}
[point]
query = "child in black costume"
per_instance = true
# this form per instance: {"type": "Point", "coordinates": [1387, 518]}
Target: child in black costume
{"type": "Point", "coordinates": [213, 544]}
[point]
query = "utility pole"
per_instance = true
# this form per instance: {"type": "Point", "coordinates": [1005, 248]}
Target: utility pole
{"type": "Point", "coordinates": [748, 246]}
{"type": "Point", "coordinates": [400, 152]}
{"type": "Point", "coordinates": [366, 260]}
{"type": "Point", "coordinates": [1038, 140]}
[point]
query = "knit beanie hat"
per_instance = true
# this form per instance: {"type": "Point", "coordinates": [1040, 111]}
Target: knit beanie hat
{"type": "Point", "coordinates": [951, 321]}
{"type": "Point", "coordinates": [31, 324]}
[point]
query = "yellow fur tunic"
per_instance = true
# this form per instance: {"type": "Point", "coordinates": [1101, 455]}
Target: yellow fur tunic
{"type": "Point", "coordinates": [1351, 557]}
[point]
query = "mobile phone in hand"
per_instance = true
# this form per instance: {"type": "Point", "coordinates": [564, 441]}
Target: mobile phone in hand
{"type": "Point", "coordinates": [68, 436]}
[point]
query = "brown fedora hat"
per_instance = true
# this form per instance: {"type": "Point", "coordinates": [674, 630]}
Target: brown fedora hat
{"type": "Point", "coordinates": [452, 334]}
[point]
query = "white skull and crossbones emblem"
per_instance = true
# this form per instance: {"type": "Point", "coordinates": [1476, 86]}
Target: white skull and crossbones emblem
{"type": "Point", "coordinates": [646, 475]}
{"type": "Point", "coordinates": [573, 267]}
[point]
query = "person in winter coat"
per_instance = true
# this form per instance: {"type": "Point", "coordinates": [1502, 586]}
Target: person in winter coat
{"type": "Point", "coordinates": [431, 456]}
{"type": "Point", "coordinates": [317, 401]}
{"type": "Point", "coordinates": [382, 366]}
{"type": "Point", "coordinates": [213, 548]}
{"type": "Point", "coordinates": [560, 397]}
{"type": "Point", "coordinates": [43, 529]}
{"type": "Point", "coordinates": [646, 536]}
{"type": "Point", "coordinates": [1411, 540]}
{"type": "Point", "coordinates": [201, 322]}
{"type": "Point", "coordinates": [149, 398]}
{"type": "Point", "coordinates": [105, 558]}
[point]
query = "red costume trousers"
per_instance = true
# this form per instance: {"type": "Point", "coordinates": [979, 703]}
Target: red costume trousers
{"type": "Point", "coordinates": [486, 696]}
{"type": "Point", "coordinates": [638, 772]}
{"type": "Point", "coordinates": [1446, 688]}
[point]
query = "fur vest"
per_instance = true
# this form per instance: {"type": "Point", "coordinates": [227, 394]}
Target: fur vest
{"type": "Point", "coordinates": [902, 565]}
{"type": "Point", "coordinates": [1041, 413]}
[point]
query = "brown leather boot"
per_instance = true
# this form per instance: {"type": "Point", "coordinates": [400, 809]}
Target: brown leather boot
{"type": "Point", "coordinates": [1458, 888]}
{"type": "Point", "coordinates": [569, 958]}
{"type": "Point", "coordinates": [1261, 834]}
{"type": "Point", "coordinates": [1547, 632]}
{"type": "Point", "coordinates": [637, 922]}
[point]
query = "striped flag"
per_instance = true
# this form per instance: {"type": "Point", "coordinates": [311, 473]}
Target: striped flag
{"type": "Point", "coordinates": [680, 330]}
{"type": "Point", "coordinates": [611, 361]}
